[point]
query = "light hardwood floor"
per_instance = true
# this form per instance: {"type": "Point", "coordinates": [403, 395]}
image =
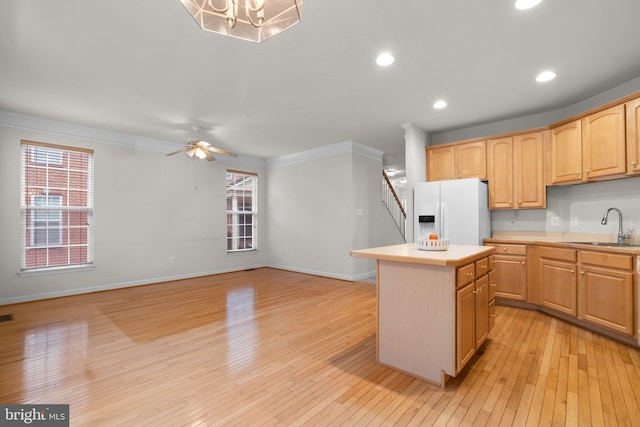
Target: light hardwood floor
{"type": "Point", "coordinates": [270, 347]}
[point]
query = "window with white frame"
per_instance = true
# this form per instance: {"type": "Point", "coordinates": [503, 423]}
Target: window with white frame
{"type": "Point", "coordinates": [242, 202]}
{"type": "Point", "coordinates": [56, 206]}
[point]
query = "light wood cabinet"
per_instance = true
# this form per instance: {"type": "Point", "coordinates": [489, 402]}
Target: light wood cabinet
{"type": "Point", "coordinates": [511, 271]}
{"type": "Point", "coordinates": [605, 295]}
{"type": "Point", "coordinates": [590, 148]}
{"type": "Point", "coordinates": [454, 161]}
{"type": "Point", "coordinates": [558, 279]}
{"type": "Point", "coordinates": [566, 153]}
{"type": "Point", "coordinates": [603, 139]}
{"type": "Point", "coordinates": [472, 309]}
{"type": "Point", "coordinates": [515, 172]}
{"type": "Point", "coordinates": [466, 344]}
{"type": "Point", "coordinates": [441, 164]}
{"type": "Point", "coordinates": [633, 136]}
{"type": "Point", "coordinates": [471, 160]}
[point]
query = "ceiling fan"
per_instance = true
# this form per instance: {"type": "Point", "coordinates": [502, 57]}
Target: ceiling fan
{"type": "Point", "coordinates": [201, 149]}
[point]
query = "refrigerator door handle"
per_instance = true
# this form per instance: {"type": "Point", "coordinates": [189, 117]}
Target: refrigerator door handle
{"type": "Point", "coordinates": [441, 223]}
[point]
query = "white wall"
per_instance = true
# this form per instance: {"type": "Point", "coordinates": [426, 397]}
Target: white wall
{"type": "Point", "coordinates": [148, 207]}
{"type": "Point", "coordinates": [314, 205]}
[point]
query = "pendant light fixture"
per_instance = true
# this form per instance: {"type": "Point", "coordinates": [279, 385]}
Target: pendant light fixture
{"type": "Point", "coordinates": [253, 20]}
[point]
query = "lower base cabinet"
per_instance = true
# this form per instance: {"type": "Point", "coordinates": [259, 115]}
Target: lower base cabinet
{"type": "Point", "coordinates": [558, 279]}
{"type": "Point", "coordinates": [605, 296]}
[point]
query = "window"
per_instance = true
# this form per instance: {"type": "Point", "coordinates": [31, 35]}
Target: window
{"type": "Point", "coordinates": [56, 206]}
{"type": "Point", "coordinates": [242, 203]}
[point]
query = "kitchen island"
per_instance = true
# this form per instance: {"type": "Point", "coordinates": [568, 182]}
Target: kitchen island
{"type": "Point", "coordinates": [433, 307]}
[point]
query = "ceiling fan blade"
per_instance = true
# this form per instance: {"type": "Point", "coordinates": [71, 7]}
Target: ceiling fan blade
{"type": "Point", "coordinates": [182, 150]}
{"type": "Point", "coordinates": [191, 151]}
{"type": "Point", "coordinates": [209, 155]}
{"type": "Point", "coordinates": [221, 151]}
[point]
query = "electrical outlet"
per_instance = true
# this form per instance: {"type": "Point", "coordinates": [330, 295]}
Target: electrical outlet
{"type": "Point", "coordinates": [171, 260]}
{"type": "Point", "coordinates": [555, 220]}
{"type": "Point", "coordinates": [574, 221]}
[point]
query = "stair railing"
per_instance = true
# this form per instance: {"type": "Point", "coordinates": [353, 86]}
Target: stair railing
{"type": "Point", "coordinates": [393, 204]}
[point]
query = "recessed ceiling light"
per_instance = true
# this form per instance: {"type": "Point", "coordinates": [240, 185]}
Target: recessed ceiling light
{"type": "Point", "coordinates": [385, 59]}
{"type": "Point", "coordinates": [526, 4]}
{"type": "Point", "coordinates": [439, 105]}
{"type": "Point", "coordinates": [545, 76]}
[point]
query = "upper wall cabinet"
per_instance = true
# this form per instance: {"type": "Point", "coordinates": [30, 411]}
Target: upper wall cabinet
{"type": "Point", "coordinates": [590, 148]}
{"type": "Point", "coordinates": [515, 172]}
{"type": "Point", "coordinates": [633, 136]}
{"type": "Point", "coordinates": [566, 153]}
{"type": "Point", "coordinates": [465, 160]}
{"type": "Point", "coordinates": [603, 143]}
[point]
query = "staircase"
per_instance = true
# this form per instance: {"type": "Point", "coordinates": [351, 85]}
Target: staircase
{"type": "Point", "coordinates": [393, 204]}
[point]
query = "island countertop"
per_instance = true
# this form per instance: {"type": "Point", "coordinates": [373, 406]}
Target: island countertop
{"type": "Point", "coordinates": [454, 256]}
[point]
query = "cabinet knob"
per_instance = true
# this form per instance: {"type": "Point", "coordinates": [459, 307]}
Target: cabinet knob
{"type": "Point", "coordinates": [587, 171]}
{"type": "Point", "coordinates": [493, 285]}
{"type": "Point", "coordinates": [571, 271]}
{"type": "Point", "coordinates": [582, 272]}
{"type": "Point", "coordinates": [633, 165]}
{"type": "Point", "coordinates": [494, 315]}
{"type": "Point", "coordinates": [469, 274]}
{"type": "Point", "coordinates": [522, 262]}
{"type": "Point", "coordinates": [519, 202]}
{"type": "Point", "coordinates": [484, 267]}
{"type": "Point", "coordinates": [577, 172]}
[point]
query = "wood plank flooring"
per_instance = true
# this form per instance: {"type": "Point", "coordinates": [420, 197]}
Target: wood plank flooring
{"type": "Point", "coordinates": [274, 348]}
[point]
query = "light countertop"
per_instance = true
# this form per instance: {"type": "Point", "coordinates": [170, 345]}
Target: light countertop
{"type": "Point", "coordinates": [455, 255]}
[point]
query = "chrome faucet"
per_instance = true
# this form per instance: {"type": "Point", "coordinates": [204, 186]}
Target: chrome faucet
{"type": "Point", "coordinates": [621, 235]}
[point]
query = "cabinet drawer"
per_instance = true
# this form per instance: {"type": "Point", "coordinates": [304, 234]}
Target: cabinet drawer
{"type": "Point", "coordinates": [482, 267]}
{"type": "Point", "coordinates": [511, 249]}
{"type": "Point", "coordinates": [561, 254]}
{"type": "Point", "coordinates": [609, 260]}
{"type": "Point", "coordinates": [465, 274]}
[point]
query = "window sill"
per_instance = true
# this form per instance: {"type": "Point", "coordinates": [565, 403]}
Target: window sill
{"type": "Point", "coordinates": [241, 251]}
{"type": "Point", "coordinates": [55, 270]}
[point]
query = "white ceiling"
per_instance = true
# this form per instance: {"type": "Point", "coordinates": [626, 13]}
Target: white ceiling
{"type": "Point", "coordinates": [145, 68]}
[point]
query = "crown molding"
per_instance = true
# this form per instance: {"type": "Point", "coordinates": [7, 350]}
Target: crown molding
{"type": "Point", "coordinates": [326, 151]}
{"type": "Point", "coordinates": [32, 123]}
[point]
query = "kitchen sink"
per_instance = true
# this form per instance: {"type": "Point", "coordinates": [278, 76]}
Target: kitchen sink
{"type": "Point", "coordinates": [610, 244]}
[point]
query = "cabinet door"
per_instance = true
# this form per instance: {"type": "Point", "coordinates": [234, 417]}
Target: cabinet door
{"type": "Point", "coordinates": [603, 138]}
{"type": "Point", "coordinates": [528, 172]}
{"type": "Point", "coordinates": [500, 165]}
{"type": "Point", "coordinates": [465, 324]}
{"type": "Point", "coordinates": [558, 286]}
{"type": "Point", "coordinates": [633, 136]}
{"type": "Point", "coordinates": [606, 298]}
{"type": "Point", "coordinates": [482, 310]}
{"type": "Point", "coordinates": [511, 276]}
{"type": "Point", "coordinates": [471, 160]}
{"type": "Point", "coordinates": [440, 163]}
{"type": "Point", "coordinates": [566, 153]}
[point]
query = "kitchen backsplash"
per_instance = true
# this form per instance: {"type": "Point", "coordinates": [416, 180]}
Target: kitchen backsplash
{"type": "Point", "coordinates": [578, 209]}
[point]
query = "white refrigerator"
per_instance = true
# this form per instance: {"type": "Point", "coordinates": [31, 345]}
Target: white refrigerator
{"type": "Point", "coordinates": [457, 210]}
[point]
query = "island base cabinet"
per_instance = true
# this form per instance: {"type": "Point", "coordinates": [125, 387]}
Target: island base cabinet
{"type": "Point", "coordinates": [606, 298]}
{"type": "Point", "coordinates": [466, 323]}
{"type": "Point", "coordinates": [416, 319]}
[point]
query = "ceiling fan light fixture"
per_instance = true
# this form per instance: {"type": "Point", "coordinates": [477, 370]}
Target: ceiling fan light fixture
{"type": "Point", "coordinates": [440, 104]}
{"type": "Point", "coordinates": [252, 20]}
